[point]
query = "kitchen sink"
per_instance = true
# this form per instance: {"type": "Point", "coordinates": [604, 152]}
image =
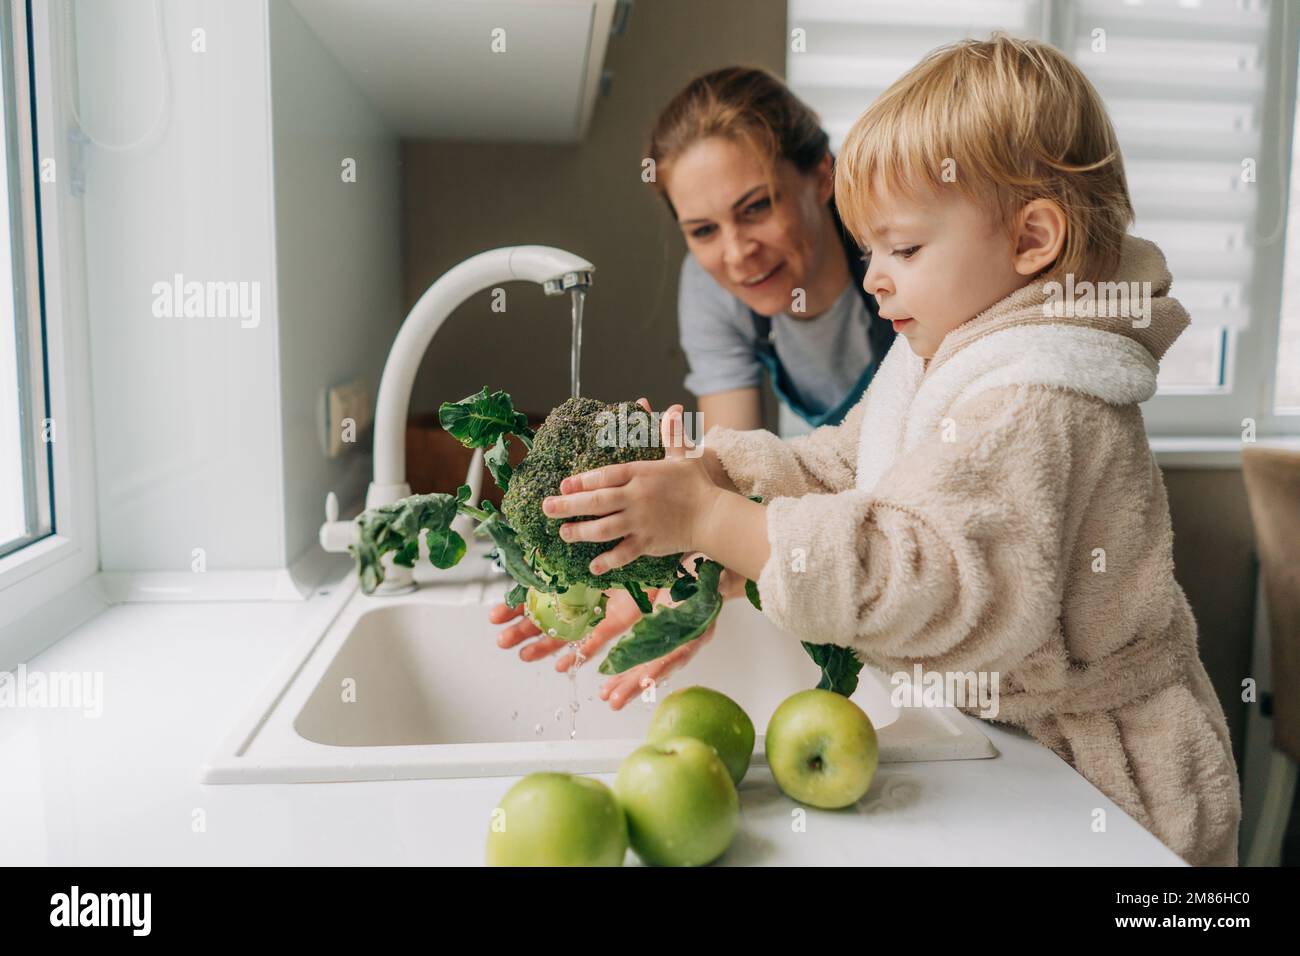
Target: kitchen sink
{"type": "Point", "coordinates": [414, 686]}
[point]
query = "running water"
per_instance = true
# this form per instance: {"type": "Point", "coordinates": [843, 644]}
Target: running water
{"type": "Point", "coordinates": [573, 690]}
{"type": "Point", "coordinates": [575, 358]}
{"type": "Point", "coordinates": [575, 353]}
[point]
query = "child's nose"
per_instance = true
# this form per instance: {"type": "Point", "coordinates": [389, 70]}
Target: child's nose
{"type": "Point", "coordinates": [875, 281]}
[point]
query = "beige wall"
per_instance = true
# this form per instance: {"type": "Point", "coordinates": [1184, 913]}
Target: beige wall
{"type": "Point", "coordinates": [461, 199]}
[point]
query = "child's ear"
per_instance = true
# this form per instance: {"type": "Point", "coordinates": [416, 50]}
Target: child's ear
{"type": "Point", "coordinates": [1040, 236]}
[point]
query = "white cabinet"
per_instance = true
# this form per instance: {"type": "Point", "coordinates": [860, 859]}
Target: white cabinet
{"type": "Point", "coordinates": [503, 70]}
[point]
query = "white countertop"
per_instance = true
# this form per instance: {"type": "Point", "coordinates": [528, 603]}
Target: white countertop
{"type": "Point", "coordinates": [122, 789]}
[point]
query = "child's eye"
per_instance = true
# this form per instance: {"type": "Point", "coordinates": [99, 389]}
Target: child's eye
{"type": "Point", "coordinates": [907, 253]}
{"type": "Point", "coordinates": [760, 206]}
{"type": "Point", "coordinates": [702, 232]}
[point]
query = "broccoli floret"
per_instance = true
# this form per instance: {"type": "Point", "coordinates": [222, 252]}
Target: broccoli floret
{"type": "Point", "coordinates": [579, 435]}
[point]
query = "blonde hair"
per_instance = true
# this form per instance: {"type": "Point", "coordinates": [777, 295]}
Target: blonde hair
{"type": "Point", "coordinates": [1007, 121]}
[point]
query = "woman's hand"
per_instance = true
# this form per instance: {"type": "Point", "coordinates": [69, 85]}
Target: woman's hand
{"type": "Point", "coordinates": [656, 507]}
{"type": "Point", "coordinates": [621, 688]}
{"type": "Point", "coordinates": [620, 614]}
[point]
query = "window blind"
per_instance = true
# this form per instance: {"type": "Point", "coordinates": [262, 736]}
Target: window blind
{"type": "Point", "coordinates": [1184, 82]}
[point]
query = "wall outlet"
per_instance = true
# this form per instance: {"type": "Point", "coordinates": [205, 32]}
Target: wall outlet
{"type": "Point", "coordinates": [348, 417]}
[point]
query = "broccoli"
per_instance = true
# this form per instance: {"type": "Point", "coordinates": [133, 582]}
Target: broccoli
{"type": "Point", "coordinates": [552, 577]}
{"type": "Point", "coordinates": [552, 580]}
{"type": "Point", "coordinates": [569, 615]}
{"type": "Point", "coordinates": [576, 437]}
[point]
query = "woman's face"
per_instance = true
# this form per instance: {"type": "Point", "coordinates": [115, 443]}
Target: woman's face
{"type": "Point", "coordinates": [758, 246]}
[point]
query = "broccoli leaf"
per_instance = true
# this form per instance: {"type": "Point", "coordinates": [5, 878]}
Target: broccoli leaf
{"type": "Point", "coordinates": [516, 595]}
{"type": "Point", "coordinates": [642, 602]}
{"type": "Point", "coordinates": [446, 548]}
{"type": "Point", "coordinates": [510, 552]}
{"type": "Point", "coordinates": [669, 627]}
{"type": "Point", "coordinates": [407, 553]}
{"type": "Point", "coordinates": [840, 667]}
{"type": "Point", "coordinates": [481, 420]}
{"type": "Point", "coordinates": [684, 586]}
{"type": "Point", "coordinates": [498, 462]}
{"type": "Point", "coordinates": [487, 420]}
{"type": "Point", "coordinates": [397, 528]}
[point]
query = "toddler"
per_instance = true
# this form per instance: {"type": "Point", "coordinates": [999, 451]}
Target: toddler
{"type": "Point", "coordinates": [992, 504]}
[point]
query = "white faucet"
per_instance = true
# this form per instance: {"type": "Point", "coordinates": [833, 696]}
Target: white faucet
{"type": "Point", "coordinates": [556, 270]}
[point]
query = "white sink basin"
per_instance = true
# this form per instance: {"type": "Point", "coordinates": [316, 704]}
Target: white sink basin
{"type": "Point", "coordinates": [414, 686]}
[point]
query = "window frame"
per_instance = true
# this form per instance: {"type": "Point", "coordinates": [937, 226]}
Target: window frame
{"type": "Point", "coordinates": [1250, 370]}
{"type": "Point", "coordinates": [25, 279]}
{"type": "Point", "coordinates": [40, 572]}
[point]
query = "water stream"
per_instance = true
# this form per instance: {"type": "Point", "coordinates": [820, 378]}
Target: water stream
{"type": "Point", "coordinates": [575, 352]}
{"type": "Point", "coordinates": [575, 358]}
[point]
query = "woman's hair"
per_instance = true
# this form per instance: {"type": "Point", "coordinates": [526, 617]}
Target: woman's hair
{"type": "Point", "coordinates": [746, 105]}
{"type": "Point", "coordinates": [1007, 121]}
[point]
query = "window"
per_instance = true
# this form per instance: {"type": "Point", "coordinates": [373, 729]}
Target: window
{"type": "Point", "coordinates": [1287, 395]}
{"type": "Point", "coordinates": [48, 545]}
{"type": "Point", "coordinates": [25, 500]}
{"type": "Point", "coordinates": [1201, 93]}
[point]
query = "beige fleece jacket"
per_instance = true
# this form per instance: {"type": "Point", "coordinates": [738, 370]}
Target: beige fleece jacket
{"type": "Point", "coordinates": [998, 509]}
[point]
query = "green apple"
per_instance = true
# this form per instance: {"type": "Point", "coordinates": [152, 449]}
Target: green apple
{"type": "Point", "coordinates": [822, 749]}
{"type": "Point", "coordinates": [681, 806]}
{"type": "Point", "coordinates": [557, 819]}
{"type": "Point", "coordinates": [709, 716]}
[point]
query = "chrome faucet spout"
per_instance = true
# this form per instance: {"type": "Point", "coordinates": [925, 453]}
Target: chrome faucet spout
{"type": "Point", "coordinates": [567, 282]}
{"type": "Point", "coordinates": [554, 269]}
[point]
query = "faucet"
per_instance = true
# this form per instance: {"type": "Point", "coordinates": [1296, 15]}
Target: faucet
{"type": "Point", "coordinates": [554, 269]}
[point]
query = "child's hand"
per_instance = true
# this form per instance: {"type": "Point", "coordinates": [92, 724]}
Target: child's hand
{"type": "Point", "coordinates": [656, 507]}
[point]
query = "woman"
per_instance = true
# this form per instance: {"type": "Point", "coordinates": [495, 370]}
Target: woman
{"type": "Point", "coordinates": [771, 280]}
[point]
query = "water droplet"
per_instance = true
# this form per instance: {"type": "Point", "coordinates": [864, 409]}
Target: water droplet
{"type": "Point", "coordinates": [514, 715]}
{"type": "Point", "coordinates": [537, 729]}
{"type": "Point", "coordinates": [559, 713]}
